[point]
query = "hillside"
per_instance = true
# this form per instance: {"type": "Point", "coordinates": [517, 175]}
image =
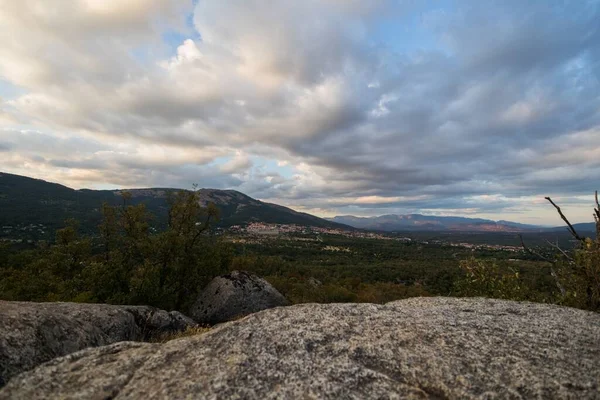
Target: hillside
{"type": "Point", "coordinates": [582, 227]}
{"type": "Point", "coordinates": [34, 208]}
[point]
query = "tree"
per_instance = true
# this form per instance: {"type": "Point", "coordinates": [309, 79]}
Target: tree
{"type": "Point", "coordinates": [167, 268]}
{"type": "Point", "coordinates": [185, 253]}
{"type": "Point", "coordinates": [128, 262]}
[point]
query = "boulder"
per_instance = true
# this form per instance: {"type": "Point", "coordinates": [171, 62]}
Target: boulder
{"type": "Point", "coordinates": [234, 295]}
{"type": "Point", "coordinates": [421, 348]}
{"type": "Point", "coordinates": [32, 333]}
{"type": "Point", "coordinates": [154, 322]}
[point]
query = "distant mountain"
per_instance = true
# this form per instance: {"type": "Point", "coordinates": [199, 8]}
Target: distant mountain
{"type": "Point", "coordinates": [39, 207]}
{"type": "Point", "coordinates": [585, 227]}
{"type": "Point", "coordinates": [418, 222]}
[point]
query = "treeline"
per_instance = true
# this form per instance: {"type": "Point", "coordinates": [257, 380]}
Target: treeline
{"type": "Point", "coordinates": [127, 262]}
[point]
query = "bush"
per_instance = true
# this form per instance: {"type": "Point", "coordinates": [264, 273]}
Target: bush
{"type": "Point", "coordinates": [579, 276]}
{"type": "Point", "coordinates": [484, 278]}
{"type": "Point", "coordinates": [575, 272]}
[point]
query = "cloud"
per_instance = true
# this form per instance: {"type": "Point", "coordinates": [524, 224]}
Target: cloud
{"type": "Point", "coordinates": [452, 104]}
{"type": "Point", "coordinates": [82, 40]}
{"type": "Point", "coordinates": [239, 163]}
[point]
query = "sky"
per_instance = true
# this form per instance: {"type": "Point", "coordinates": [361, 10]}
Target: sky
{"type": "Point", "coordinates": [333, 107]}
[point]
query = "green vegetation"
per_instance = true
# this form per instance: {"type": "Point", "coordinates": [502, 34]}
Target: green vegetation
{"type": "Point", "coordinates": [129, 260]}
{"type": "Point", "coordinates": [191, 331]}
{"type": "Point", "coordinates": [127, 263]}
{"type": "Point", "coordinates": [579, 276]}
{"type": "Point", "coordinates": [336, 268]}
{"type": "Point", "coordinates": [572, 279]}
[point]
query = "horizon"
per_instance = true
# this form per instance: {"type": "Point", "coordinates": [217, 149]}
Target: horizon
{"type": "Point", "coordinates": [325, 217]}
{"type": "Point", "coordinates": [450, 108]}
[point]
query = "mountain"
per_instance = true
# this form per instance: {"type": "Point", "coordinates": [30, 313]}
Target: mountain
{"type": "Point", "coordinates": [235, 207]}
{"type": "Point", "coordinates": [584, 227]}
{"type": "Point", "coordinates": [35, 208]}
{"type": "Point", "coordinates": [418, 222]}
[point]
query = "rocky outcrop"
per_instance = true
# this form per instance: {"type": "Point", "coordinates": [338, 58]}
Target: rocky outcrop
{"type": "Point", "coordinates": [231, 296]}
{"type": "Point", "coordinates": [437, 348]}
{"type": "Point", "coordinates": [154, 322]}
{"type": "Point", "coordinates": [33, 333]}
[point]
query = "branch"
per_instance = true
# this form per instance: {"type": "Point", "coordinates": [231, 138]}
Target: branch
{"type": "Point", "coordinates": [597, 216]}
{"type": "Point", "coordinates": [200, 230]}
{"type": "Point", "coordinates": [564, 253]}
{"type": "Point", "coordinates": [558, 284]}
{"type": "Point", "coordinates": [557, 247]}
{"type": "Point", "coordinates": [538, 255]}
{"type": "Point", "coordinates": [552, 272]}
{"type": "Point", "coordinates": [571, 229]}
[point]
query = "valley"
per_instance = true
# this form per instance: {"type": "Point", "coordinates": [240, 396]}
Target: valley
{"type": "Point", "coordinates": [308, 259]}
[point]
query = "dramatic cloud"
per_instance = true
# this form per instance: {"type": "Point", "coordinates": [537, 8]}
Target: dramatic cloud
{"type": "Point", "coordinates": [328, 106]}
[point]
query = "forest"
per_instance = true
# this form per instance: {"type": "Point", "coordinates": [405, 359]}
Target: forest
{"type": "Point", "coordinates": [128, 261]}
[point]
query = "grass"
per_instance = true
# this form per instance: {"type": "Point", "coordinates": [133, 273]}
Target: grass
{"type": "Point", "coordinates": [191, 331]}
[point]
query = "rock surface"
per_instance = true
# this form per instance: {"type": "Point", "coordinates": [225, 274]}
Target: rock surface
{"type": "Point", "coordinates": [33, 333]}
{"type": "Point", "coordinates": [155, 322]}
{"type": "Point", "coordinates": [234, 295]}
{"type": "Point", "coordinates": [437, 348]}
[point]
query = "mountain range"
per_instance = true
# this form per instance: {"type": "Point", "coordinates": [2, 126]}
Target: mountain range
{"type": "Point", "coordinates": [36, 206]}
{"type": "Point", "coordinates": [418, 222]}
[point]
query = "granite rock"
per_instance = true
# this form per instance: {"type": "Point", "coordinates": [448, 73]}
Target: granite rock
{"type": "Point", "coordinates": [234, 295]}
{"type": "Point", "coordinates": [420, 348]}
{"type": "Point", "coordinates": [33, 333]}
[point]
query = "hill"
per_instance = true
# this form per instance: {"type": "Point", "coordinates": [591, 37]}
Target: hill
{"type": "Point", "coordinates": [585, 227]}
{"type": "Point", "coordinates": [34, 208]}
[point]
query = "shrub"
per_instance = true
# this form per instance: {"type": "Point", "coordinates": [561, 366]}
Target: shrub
{"type": "Point", "coordinates": [485, 278]}
{"type": "Point", "coordinates": [575, 272]}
